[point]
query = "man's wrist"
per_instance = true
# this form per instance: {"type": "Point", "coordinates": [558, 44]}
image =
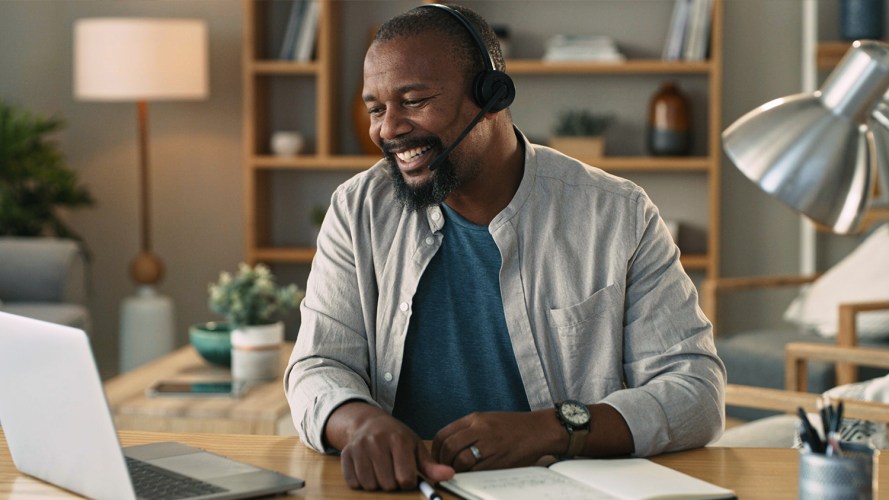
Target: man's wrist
{"type": "Point", "coordinates": [346, 418]}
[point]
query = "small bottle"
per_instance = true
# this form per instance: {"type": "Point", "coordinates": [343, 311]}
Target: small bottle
{"type": "Point", "coordinates": [669, 130]}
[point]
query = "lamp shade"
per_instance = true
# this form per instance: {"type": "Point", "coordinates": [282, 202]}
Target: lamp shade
{"type": "Point", "coordinates": [816, 152]}
{"type": "Point", "coordinates": [140, 59]}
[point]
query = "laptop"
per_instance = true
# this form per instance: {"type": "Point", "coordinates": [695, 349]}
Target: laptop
{"type": "Point", "coordinates": [59, 427]}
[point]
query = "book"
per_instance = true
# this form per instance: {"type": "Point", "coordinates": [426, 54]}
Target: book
{"type": "Point", "coordinates": [288, 45]}
{"type": "Point", "coordinates": [624, 478]}
{"type": "Point", "coordinates": [676, 31]}
{"type": "Point", "coordinates": [305, 46]}
{"type": "Point", "coordinates": [582, 48]}
{"type": "Point", "coordinates": [698, 31]}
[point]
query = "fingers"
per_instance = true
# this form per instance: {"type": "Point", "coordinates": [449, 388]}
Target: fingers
{"type": "Point", "coordinates": [380, 466]}
{"type": "Point", "coordinates": [452, 443]}
{"type": "Point", "coordinates": [432, 470]}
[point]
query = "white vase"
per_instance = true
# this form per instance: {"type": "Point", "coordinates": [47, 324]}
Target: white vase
{"type": "Point", "coordinates": [287, 143]}
{"type": "Point", "coordinates": [256, 352]}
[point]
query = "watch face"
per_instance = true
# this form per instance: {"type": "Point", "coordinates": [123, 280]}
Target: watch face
{"type": "Point", "coordinates": [574, 413]}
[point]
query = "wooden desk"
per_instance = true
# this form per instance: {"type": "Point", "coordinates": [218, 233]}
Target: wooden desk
{"type": "Point", "coordinates": [753, 473]}
{"type": "Point", "coordinates": [263, 410]}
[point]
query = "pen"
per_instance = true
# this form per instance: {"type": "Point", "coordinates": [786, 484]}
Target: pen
{"type": "Point", "coordinates": [838, 417]}
{"type": "Point", "coordinates": [810, 435]}
{"type": "Point", "coordinates": [428, 491]}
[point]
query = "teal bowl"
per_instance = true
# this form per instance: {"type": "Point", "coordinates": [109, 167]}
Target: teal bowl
{"type": "Point", "coordinates": [213, 342]}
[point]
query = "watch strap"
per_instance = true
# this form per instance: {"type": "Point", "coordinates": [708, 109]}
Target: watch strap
{"type": "Point", "coordinates": [576, 441]}
{"type": "Point", "coordinates": [576, 434]}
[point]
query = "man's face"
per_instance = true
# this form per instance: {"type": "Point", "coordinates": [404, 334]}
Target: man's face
{"type": "Point", "coordinates": [417, 97]}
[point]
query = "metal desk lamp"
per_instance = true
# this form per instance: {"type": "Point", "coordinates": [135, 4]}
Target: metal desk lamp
{"type": "Point", "coordinates": [819, 152]}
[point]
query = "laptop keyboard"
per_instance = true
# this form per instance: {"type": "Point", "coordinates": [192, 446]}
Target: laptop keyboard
{"type": "Point", "coordinates": [153, 482]}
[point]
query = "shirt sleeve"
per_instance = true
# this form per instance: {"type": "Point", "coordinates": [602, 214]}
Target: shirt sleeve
{"type": "Point", "coordinates": [330, 363]}
{"type": "Point", "coordinates": [675, 395]}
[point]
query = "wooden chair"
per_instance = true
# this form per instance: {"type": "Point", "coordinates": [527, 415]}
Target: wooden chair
{"type": "Point", "coordinates": [798, 355]}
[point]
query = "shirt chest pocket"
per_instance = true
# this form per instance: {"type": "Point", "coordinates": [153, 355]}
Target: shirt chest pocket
{"type": "Point", "coordinates": [599, 316]}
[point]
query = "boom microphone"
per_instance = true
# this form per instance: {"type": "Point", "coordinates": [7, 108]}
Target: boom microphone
{"type": "Point", "coordinates": [501, 92]}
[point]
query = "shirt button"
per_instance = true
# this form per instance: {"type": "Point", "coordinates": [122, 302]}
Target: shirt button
{"type": "Point", "coordinates": [387, 376]}
{"type": "Point", "coordinates": [436, 216]}
{"type": "Point", "coordinates": [403, 307]}
{"type": "Point", "coordinates": [430, 240]}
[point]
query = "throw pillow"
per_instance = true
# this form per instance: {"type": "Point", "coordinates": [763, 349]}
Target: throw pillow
{"type": "Point", "coordinates": [863, 276]}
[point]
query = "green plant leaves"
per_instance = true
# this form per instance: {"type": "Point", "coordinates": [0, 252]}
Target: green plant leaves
{"type": "Point", "coordinates": [34, 180]}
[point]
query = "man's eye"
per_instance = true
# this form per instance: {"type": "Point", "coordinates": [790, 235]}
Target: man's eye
{"type": "Point", "coordinates": [412, 103]}
{"type": "Point", "coordinates": [375, 111]}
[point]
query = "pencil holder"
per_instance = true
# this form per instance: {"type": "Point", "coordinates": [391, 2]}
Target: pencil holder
{"type": "Point", "coordinates": [847, 477]}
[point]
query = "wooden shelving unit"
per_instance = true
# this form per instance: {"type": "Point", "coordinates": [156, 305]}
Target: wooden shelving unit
{"type": "Point", "coordinates": [260, 165]}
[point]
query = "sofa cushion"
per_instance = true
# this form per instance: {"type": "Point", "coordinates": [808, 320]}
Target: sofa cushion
{"type": "Point", "coordinates": [777, 431]}
{"type": "Point", "coordinates": [862, 276]}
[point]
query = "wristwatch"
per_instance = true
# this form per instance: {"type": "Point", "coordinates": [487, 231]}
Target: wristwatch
{"type": "Point", "coordinates": [575, 416]}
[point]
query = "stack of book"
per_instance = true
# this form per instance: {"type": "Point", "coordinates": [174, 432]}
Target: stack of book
{"type": "Point", "coordinates": [688, 37]}
{"type": "Point", "coordinates": [582, 48]}
{"type": "Point", "coordinates": [301, 33]}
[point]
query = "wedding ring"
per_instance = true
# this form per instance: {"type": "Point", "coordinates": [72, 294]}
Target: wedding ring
{"type": "Point", "coordinates": [475, 452]}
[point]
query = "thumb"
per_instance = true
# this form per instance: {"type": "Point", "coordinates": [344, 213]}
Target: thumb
{"type": "Point", "coordinates": [432, 470]}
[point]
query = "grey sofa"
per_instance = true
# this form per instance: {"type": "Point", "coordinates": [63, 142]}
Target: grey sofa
{"type": "Point", "coordinates": [756, 357]}
{"type": "Point", "coordinates": [46, 279]}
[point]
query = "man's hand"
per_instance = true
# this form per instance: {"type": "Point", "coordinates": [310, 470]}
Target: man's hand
{"type": "Point", "coordinates": [497, 440]}
{"type": "Point", "coordinates": [379, 451]}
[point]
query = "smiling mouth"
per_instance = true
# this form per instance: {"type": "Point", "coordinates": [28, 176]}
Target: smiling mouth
{"type": "Point", "coordinates": [410, 155]}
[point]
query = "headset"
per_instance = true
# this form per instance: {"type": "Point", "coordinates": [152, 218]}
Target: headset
{"type": "Point", "coordinates": [492, 90]}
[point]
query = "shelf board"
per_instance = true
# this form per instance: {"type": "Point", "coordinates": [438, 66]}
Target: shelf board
{"type": "Point", "coordinates": [304, 255]}
{"type": "Point", "coordinates": [830, 53]}
{"type": "Point", "coordinates": [290, 255]}
{"type": "Point", "coordinates": [362, 162]}
{"type": "Point", "coordinates": [694, 261]}
{"type": "Point", "coordinates": [280, 67]}
{"type": "Point", "coordinates": [631, 66]}
{"type": "Point", "coordinates": [314, 162]}
{"type": "Point", "coordinates": [525, 67]}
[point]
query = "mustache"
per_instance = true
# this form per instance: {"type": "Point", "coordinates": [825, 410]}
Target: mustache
{"type": "Point", "coordinates": [417, 142]}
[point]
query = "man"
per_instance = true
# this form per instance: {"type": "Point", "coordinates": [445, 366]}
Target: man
{"type": "Point", "coordinates": [466, 303]}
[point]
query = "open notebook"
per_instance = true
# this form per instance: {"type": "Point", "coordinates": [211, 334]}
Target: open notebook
{"type": "Point", "coordinates": [622, 478]}
{"type": "Point", "coordinates": [59, 428]}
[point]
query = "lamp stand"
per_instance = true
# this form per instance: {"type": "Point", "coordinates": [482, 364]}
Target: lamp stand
{"type": "Point", "coordinates": [147, 328]}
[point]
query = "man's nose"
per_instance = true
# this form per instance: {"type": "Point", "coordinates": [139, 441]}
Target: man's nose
{"type": "Point", "coordinates": [394, 125]}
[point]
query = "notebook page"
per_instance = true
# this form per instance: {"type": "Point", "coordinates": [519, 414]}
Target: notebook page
{"type": "Point", "coordinates": [524, 483]}
{"type": "Point", "coordinates": [621, 477]}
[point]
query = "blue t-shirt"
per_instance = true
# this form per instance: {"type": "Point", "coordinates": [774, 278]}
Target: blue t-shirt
{"type": "Point", "coordinates": [457, 355]}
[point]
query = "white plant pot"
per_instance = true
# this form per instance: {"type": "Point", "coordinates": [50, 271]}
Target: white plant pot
{"type": "Point", "coordinates": [256, 352]}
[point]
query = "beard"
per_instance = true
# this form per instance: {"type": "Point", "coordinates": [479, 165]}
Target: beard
{"type": "Point", "coordinates": [431, 192]}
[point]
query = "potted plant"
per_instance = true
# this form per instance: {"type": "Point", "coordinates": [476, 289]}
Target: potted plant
{"type": "Point", "coordinates": [254, 307]}
{"type": "Point", "coordinates": [34, 179]}
{"type": "Point", "coordinates": [579, 133]}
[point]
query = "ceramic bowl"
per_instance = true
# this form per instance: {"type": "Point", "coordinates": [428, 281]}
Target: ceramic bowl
{"type": "Point", "coordinates": [212, 341]}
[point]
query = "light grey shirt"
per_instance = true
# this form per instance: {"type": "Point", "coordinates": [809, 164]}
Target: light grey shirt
{"type": "Point", "coordinates": [598, 307]}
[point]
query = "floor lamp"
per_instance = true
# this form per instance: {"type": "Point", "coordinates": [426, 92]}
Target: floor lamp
{"type": "Point", "coordinates": [141, 60]}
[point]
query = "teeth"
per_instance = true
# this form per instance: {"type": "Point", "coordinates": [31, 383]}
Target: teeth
{"type": "Point", "coordinates": [410, 154]}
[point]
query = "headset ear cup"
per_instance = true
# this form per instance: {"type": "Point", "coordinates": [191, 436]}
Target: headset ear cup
{"type": "Point", "coordinates": [486, 85]}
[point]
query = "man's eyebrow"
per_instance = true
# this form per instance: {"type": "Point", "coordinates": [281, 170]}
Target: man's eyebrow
{"type": "Point", "coordinates": [404, 89]}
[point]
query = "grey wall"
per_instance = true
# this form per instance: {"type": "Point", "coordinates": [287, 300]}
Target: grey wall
{"type": "Point", "coordinates": [196, 147]}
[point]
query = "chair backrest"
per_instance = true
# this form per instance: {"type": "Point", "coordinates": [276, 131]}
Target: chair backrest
{"type": "Point", "coordinates": [42, 270]}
